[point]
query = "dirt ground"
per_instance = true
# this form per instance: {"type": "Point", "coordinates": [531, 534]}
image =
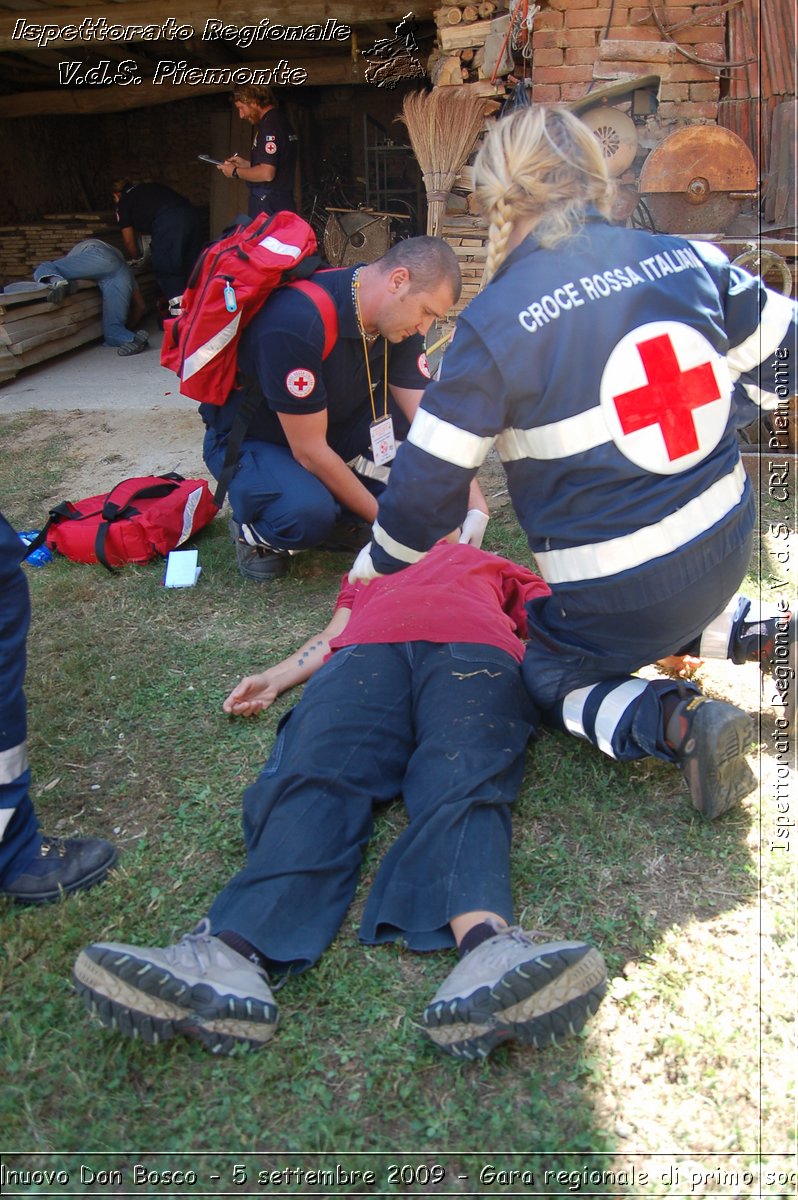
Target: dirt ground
{"type": "Point", "coordinates": [118, 416]}
{"type": "Point", "coordinates": [113, 445]}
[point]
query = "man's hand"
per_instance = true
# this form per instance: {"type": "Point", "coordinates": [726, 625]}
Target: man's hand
{"type": "Point", "coordinates": [252, 695]}
{"type": "Point", "coordinates": [234, 163]}
{"type": "Point", "coordinates": [363, 569]}
{"type": "Point", "coordinates": [474, 526]}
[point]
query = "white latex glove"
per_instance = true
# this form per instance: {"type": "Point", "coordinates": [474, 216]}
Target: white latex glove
{"type": "Point", "coordinates": [474, 526]}
{"type": "Point", "coordinates": [363, 570]}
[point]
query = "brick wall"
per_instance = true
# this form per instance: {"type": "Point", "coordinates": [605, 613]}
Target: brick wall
{"type": "Point", "coordinates": [579, 45]}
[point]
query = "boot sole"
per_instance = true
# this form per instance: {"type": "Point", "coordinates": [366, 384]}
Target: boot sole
{"type": "Point", "coordinates": [719, 739]}
{"type": "Point", "coordinates": [539, 1002]}
{"type": "Point", "coordinates": [107, 983]}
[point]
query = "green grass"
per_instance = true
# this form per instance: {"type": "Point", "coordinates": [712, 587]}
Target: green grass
{"type": "Point", "coordinates": [128, 740]}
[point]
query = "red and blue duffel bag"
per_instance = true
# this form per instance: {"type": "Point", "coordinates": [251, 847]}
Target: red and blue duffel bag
{"type": "Point", "coordinates": [136, 521]}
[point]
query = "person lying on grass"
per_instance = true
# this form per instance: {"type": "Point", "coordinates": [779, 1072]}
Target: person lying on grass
{"type": "Point", "coordinates": [415, 689]}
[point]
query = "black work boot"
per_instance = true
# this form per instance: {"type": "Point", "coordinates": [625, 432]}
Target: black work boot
{"type": "Point", "coordinates": [710, 739]}
{"type": "Point", "coordinates": [61, 865]}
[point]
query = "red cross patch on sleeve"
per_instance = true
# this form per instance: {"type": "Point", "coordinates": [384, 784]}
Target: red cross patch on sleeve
{"type": "Point", "coordinates": [300, 383]}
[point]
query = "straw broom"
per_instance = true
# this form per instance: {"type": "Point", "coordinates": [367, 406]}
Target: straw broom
{"type": "Point", "coordinates": [443, 126]}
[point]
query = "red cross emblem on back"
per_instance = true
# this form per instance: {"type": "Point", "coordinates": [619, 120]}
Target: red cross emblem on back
{"type": "Point", "coordinates": [668, 398]}
{"type": "Point", "coordinates": [665, 395]}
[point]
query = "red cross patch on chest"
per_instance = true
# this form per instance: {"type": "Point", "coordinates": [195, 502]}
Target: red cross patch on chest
{"type": "Point", "coordinates": [666, 394]}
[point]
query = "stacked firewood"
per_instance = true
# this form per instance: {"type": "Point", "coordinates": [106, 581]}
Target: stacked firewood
{"type": "Point", "coordinates": [473, 46]}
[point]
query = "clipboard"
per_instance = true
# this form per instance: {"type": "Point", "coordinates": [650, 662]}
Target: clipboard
{"type": "Point", "coordinates": [207, 158]}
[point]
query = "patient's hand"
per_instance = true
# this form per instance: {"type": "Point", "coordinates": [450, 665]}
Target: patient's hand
{"type": "Point", "coordinates": [252, 695]}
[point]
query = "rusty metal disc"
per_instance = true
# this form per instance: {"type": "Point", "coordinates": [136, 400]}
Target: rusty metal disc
{"type": "Point", "coordinates": [672, 212]}
{"type": "Point", "coordinates": [707, 152]}
{"type": "Point", "coordinates": [616, 133]}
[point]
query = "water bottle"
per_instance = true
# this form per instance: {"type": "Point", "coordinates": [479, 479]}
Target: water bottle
{"type": "Point", "coordinates": [40, 557]}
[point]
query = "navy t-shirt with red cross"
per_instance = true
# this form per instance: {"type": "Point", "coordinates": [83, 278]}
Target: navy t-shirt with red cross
{"type": "Point", "coordinates": [281, 355]}
{"type": "Point", "coordinates": [273, 142]}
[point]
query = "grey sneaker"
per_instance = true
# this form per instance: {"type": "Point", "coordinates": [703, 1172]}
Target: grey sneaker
{"type": "Point", "coordinates": [57, 291]}
{"type": "Point", "coordinates": [199, 988]}
{"type": "Point", "coordinates": [512, 987]}
{"type": "Point", "coordinates": [710, 739]}
{"type": "Point", "coordinates": [136, 345]}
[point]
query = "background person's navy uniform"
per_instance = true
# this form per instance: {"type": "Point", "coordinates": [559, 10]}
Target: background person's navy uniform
{"type": "Point", "coordinates": [603, 371]}
{"type": "Point", "coordinates": [32, 868]}
{"type": "Point", "coordinates": [285, 505]}
{"type": "Point", "coordinates": [273, 142]}
{"type": "Point", "coordinates": [19, 837]}
{"type": "Point", "coordinates": [175, 227]}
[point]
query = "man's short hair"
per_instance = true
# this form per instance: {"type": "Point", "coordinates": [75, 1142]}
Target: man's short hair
{"type": "Point", "coordinates": [119, 185]}
{"type": "Point", "coordinates": [255, 94]}
{"type": "Point", "coordinates": [430, 261]}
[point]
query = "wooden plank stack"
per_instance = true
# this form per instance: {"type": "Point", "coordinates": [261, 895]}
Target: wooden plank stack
{"type": "Point", "coordinates": [31, 330]}
{"type": "Point", "coordinates": [468, 238]}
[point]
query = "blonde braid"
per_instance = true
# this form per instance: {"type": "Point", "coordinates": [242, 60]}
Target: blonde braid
{"type": "Point", "coordinates": [499, 230]}
{"type": "Point", "coordinates": [542, 165]}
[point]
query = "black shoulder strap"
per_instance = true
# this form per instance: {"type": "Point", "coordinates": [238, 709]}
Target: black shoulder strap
{"type": "Point", "coordinates": [62, 512]}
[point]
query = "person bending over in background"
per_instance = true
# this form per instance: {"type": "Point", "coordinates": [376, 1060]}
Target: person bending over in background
{"type": "Point", "coordinates": [421, 696]}
{"type": "Point", "coordinates": [603, 364]}
{"type": "Point", "coordinates": [174, 226]}
{"type": "Point", "coordinates": [123, 305]}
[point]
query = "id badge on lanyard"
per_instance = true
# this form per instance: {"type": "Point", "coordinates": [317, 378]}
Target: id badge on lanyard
{"type": "Point", "coordinates": [383, 442]}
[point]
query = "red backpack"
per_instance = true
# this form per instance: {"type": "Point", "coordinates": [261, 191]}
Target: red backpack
{"type": "Point", "coordinates": [229, 284]}
{"type": "Point", "coordinates": [133, 523]}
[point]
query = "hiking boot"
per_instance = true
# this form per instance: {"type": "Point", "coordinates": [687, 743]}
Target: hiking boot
{"type": "Point", "coordinates": [139, 342]}
{"type": "Point", "coordinates": [62, 865]}
{"type": "Point", "coordinates": [710, 739]}
{"type": "Point", "coordinates": [260, 564]}
{"type": "Point", "coordinates": [511, 987]}
{"type": "Point", "coordinates": [256, 561]}
{"type": "Point", "coordinates": [57, 291]}
{"type": "Point", "coordinates": [199, 988]}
